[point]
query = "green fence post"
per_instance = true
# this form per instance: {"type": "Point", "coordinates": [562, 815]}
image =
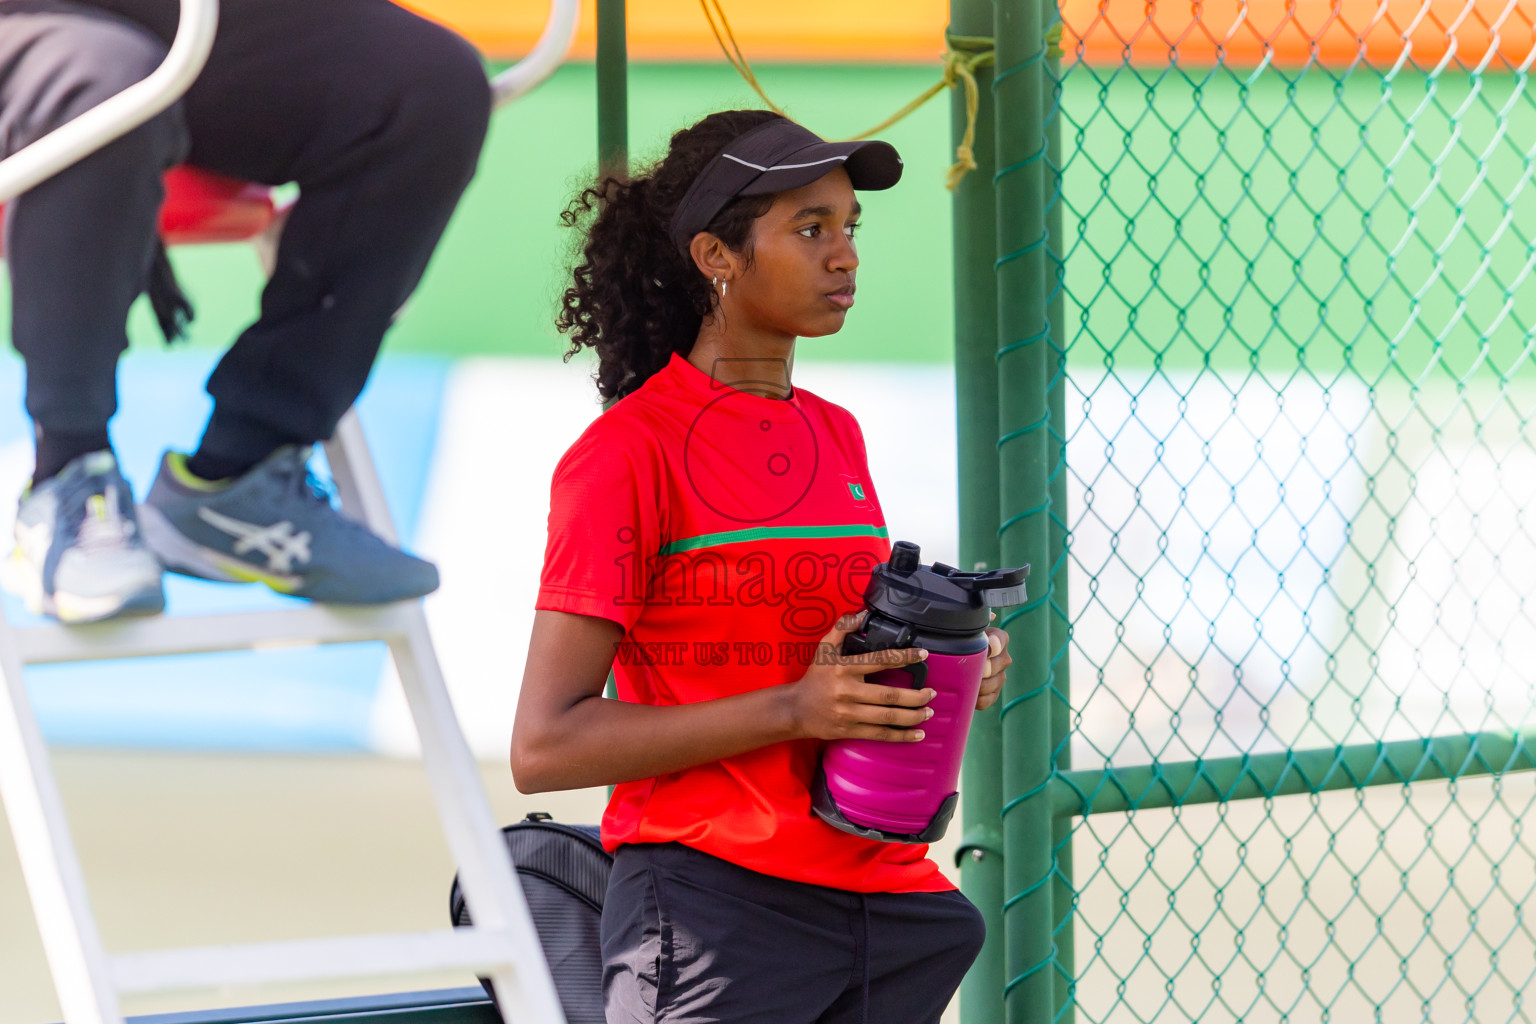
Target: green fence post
{"type": "Point", "coordinates": [1063, 891]}
{"type": "Point", "coordinates": [612, 121]}
{"type": "Point", "coordinates": [612, 89]}
{"type": "Point", "coordinates": [1024, 374]}
{"type": "Point", "coordinates": [975, 234]}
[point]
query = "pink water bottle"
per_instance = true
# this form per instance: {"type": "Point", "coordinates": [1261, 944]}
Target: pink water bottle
{"type": "Point", "coordinates": [907, 792]}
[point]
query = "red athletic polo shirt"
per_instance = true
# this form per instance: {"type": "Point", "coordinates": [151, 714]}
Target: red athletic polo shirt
{"type": "Point", "coordinates": [726, 532]}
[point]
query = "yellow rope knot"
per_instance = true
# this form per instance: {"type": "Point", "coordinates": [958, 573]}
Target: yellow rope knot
{"type": "Point", "coordinates": [963, 55]}
{"type": "Point", "coordinates": [1053, 40]}
{"type": "Point", "coordinates": [960, 69]}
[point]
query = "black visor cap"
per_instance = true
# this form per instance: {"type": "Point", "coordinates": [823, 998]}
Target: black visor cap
{"type": "Point", "coordinates": [775, 157]}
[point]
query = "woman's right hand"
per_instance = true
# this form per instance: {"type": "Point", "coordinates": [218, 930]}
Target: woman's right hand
{"type": "Point", "coordinates": [832, 701]}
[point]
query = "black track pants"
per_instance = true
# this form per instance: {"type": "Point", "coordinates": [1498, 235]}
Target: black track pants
{"type": "Point", "coordinates": [692, 939]}
{"type": "Point", "coordinates": [376, 113]}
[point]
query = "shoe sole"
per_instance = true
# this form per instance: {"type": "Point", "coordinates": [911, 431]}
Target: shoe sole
{"type": "Point", "coordinates": [77, 609]}
{"type": "Point", "coordinates": [180, 554]}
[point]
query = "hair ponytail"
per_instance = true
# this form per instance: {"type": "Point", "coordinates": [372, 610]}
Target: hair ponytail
{"type": "Point", "coordinates": [634, 297]}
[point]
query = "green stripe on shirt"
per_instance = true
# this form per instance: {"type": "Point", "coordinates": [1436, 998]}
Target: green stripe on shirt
{"type": "Point", "coordinates": [710, 540]}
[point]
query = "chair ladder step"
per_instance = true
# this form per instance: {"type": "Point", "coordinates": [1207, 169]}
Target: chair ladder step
{"type": "Point", "coordinates": [201, 634]}
{"type": "Point", "coordinates": [354, 956]}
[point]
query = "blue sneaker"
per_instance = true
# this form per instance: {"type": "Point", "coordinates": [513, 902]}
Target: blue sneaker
{"type": "Point", "coordinates": [79, 555]}
{"type": "Point", "coordinates": [275, 526]}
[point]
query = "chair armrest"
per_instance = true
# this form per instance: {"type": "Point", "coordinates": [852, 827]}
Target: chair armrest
{"type": "Point", "coordinates": [119, 115]}
{"type": "Point", "coordinates": [547, 54]}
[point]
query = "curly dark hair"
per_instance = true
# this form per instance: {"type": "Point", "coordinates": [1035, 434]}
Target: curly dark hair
{"type": "Point", "coordinates": [635, 297]}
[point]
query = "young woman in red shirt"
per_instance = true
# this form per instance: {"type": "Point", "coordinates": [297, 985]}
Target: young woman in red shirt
{"type": "Point", "coordinates": [710, 537]}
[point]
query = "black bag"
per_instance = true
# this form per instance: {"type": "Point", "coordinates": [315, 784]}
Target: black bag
{"type": "Point", "coordinates": [564, 871]}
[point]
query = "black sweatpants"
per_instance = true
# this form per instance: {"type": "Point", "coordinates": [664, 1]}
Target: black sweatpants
{"type": "Point", "coordinates": [692, 939]}
{"type": "Point", "coordinates": [376, 113]}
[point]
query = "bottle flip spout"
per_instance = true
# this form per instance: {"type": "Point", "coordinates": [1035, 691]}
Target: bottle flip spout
{"type": "Point", "coordinates": [999, 588]}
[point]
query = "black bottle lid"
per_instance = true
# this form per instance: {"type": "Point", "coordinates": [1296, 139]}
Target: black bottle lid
{"type": "Point", "coordinates": [940, 597]}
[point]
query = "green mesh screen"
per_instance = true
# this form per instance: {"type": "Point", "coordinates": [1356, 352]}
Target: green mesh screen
{"type": "Point", "coordinates": [1301, 496]}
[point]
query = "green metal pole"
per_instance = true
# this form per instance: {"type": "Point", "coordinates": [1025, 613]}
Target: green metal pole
{"type": "Point", "coordinates": [612, 89]}
{"type": "Point", "coordinates": [1024, 375]}
{"type": "Point", "coordinates": [975, 235]}
{"type": "Point", "coordinates": [1063, 891]}
{"type": "Point", "coordinates": [612, 119]}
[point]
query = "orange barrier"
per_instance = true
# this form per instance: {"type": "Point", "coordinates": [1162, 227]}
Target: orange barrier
{"type": "Point", "coordinates": [1334, 33]}
{"type": "Point", "coordinates": [888, 31]}
{"type": "Point", "coordinates": [1287, 33]}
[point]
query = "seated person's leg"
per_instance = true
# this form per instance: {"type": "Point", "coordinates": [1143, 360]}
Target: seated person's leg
{"type": "Point", "coordinates": [379, 116]}
{"type": "Point", "coordinates": [79, 248]}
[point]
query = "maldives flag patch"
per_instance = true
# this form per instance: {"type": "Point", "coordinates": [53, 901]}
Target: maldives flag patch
{"type": "Point", "coordinates": [857, 490]}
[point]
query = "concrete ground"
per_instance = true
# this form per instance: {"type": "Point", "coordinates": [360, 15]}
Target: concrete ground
{"type": "Point", "coordinates": [184, 849]}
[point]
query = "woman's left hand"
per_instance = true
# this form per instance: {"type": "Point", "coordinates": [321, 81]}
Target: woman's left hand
{"type": "Point", "coordinates": [998, 660]}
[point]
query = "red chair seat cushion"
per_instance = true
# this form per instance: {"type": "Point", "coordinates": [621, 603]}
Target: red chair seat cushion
{"type": "Point", "coordinates": [201, 206]}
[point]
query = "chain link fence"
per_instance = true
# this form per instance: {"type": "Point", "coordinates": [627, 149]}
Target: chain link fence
{"type": "Point", "coordinates": [1301, 500]}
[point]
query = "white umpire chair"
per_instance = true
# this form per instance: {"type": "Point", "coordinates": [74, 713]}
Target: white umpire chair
{"type": "Point", "coordinates": [503, 944]}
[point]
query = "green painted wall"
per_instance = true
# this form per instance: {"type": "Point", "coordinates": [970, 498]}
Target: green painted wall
{"type": "Point", "coordinates": [494, 283]}
{"type": "Point", "coordinates": [492, 287]}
